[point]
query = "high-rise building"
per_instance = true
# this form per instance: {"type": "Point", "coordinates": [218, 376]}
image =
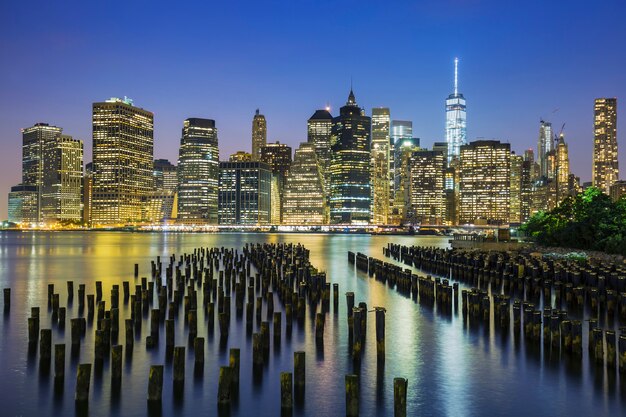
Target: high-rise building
{"type": "Point", "coordinates": [160, 207]}
{"type": "Point", "coordinates": [485, 182]}
{"type": "Point", "coordinates": [402, 180]}
{"type": "Point", "coordinates": [165, 175]}
{"type": "Point", "coordinates": [259, 135]}
{"type": "Point", "coordinates": [87, 194]}
{"type": "Point", "coordinates": [400, 130]}
{"type": "Point", "coordinates": [123, 161]}
{"type": "Point", "coordinates": [544, 149]}
{"type": "Point", "coordinates": [426, 187]}
{"type": "Point", "coordinates": [617, 190]}
{"type": "Point", "coordinates": [520, 189]}
{"type": "Point", "coordinates": [198, 172]}
{"type": "Point", "coordinates": [244, 193]}
{"type": "Point", "coordinates": [319, 128]}
{"type": "Point", "coordinates": [350, 192]}
{"type": "Point", "coordinates": [381, 138]}
{"type": "Point", "coordinates": [303, 200]}
{"type": "Point", "coordinates": [451, 192]}
{"type": "Point", "coordinates": [23, 205]}
{"type": "Point", "coordinates": [562, 169]}
{"type": "Point", "coordinates": [278, 157]}
{"type": "Point", "coordinates": [605, 166]}
{"type": "Point", "coordinates": [34, 141]}
{"type": "Point", "coordinates": [456, 118]}
{"type": "Point", "coordinates": [61, 188]}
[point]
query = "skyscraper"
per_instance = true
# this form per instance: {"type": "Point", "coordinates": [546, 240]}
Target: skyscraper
{"type": "Point", "coordinates": [350, 192]}
{"type": "Point", "coordinates": [544, 147]}
{"type": "Point", "coordinates": [198, 172]}
{"type": "Point", "coordinates": [34, 141]}
{"type": "Point", "coordinates": [122, 161]}
{"type": "Point", "coordinates": [259, 135]}
{"type": "Point", "coordinates": [23, 205]}
{"type": "Point", "coordinates": [562, 169]}
{"type": "Point", "coordinates": [381, 137]}
{"type": "Point", "coordinates": [278, 157]}
{"type": "Point", "coordinates": [426, 187]}
{"type": "Point", "coordinates": [402, 180]}
{"type": "Point", "coordinates": [319, 128]}
{"type": "Point", "coordinates": [456, 118]}
{"type": "Point", "coordinates": [303, 200]}
{"type": "Point", "coordinates": [244, 193]}
{"type": "Point", "coordinates": [400, 130]}
{"type": "Point", "coordinates": [165, 175]}
{"type": "Point", "coordinates": [520, 189]}
{"type": "Point", "coordinates": [61, 189]}
{"type": "Point", "coordinates": [605, 166]}
{"type": "Point", "coordinates": [485, 182]}
{"type": "Point", "coordinates": [161, 203]}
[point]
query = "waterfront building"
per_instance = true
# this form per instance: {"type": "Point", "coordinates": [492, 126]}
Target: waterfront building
{"type": "Point", "coordinates": [240, 156]}
{"type": "Point", "coordinates": [562, 173]}
{"type": "Point", "coordinates": [61, 188]}
{"type": "Point", "coordinates": [162, 204]}
{"type": "Point", "coordinates": [350, 191]}
{"type": "Point", "coordinates": [451, 192]}
{"type": "Point", "coordinates": [400, 130]}
{"type": "Point", "coordinates": [426, 171]}
{"type": "Point", "coordinates": [278, 157]}
{"type": "Point", "coordinates": [87, 194]}
{"type": "Point", "coordinates": [123, 161]}
{"type": "Point", "coordinates": [319, 127]}
{"type": "Point", "coordinates": [617, 190]}
{"type": "Point", "coordinates": [544, 149]}
{"type": "Point", "coordinates": [605, 164]}
{"type": "Point", "coordinates": [456, 119]}
{"type": "Point", "coordinates": [485, 183]}
{"type": "Point", "coordinates": [165, 175]}
{"type": "Point", "coordinates": [244, 193]}
{"type": "Point", "coordinates": [23, 207]}
{"type": "Point", "coordinates": [381, 137]}
{"type": "Point", "coordinates": [198, 172]}
{"type": "Point", "coordinates": [402, 180]}
{"type": "Point", "coordinates": [259, 134]}
{"type": "Point", "coordinates": [303, 200]}
{"type": "Point", "coordinates": [521, 188]}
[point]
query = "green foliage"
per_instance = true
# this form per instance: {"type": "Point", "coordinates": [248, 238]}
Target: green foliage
{"type": "Point", "coordinates": [588, 221]}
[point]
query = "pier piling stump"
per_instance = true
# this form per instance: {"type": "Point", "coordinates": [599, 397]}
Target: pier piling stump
{"type": "Point", "coordinates": [179, 364]}
{"type": "Point", "coordinates": [83, 378]}
{"type": "Point", "coordinates": [116, 363]}
{"type": "Point", "coordinates": [352, 396]}
{"type": "Point", "coordinates": [155, 384]}
{"type": "Point", "coordinates": [399, 397]}
{"type": "Point", "coordinates": [234, 364]}
{"type": "Point", "coordinates": [286, 391]}
{"type": "Point", "coordinates": [224, 385]}
{"type": "Point", "coordinates": [59, 361]}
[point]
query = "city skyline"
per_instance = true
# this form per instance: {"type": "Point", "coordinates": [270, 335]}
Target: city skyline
{"type": "Point", "coordinates": [231, 90]}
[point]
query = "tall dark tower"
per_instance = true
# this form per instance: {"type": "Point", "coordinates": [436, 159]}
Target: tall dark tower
{"type": "Point", "coordinates": [350, 192]}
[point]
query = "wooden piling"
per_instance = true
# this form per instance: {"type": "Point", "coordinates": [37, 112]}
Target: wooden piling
{"type": "Point", "coordinates": [179, 364]}
{"type": "Point", "coordinates": [299, 369]}
{"type": "Point", "coordinates": [286, 391]}
{"type": "Point", "coordinates": [33, 329]}
{"type": "Point", "coordinates": [155, 384]}
{"type": "Point", "coordinates": [399, 397]}
{"type": "Point", "coordinates": [234, 365]}
{"type": "Point", "coordinates": [116, 364]}
{"type": "Point", "coordinates": [45, 344]}
{"type": "Point", "coordinates": [319, 326]}
{"type": "Point", "coordinates": [83, 378]}
{"type": "Point", "coordinates": [610, 349]}
{"type": "Point", "coordinates": [257, 349]}
{"type": "Point", "coordinates": [7, 299]}
{"type": "Point", "coordinates": [622, 353]}
{"type": "Point", "coordinates": [59, 361]}
{"type": "Point", "coordinates": [224, 385]}
{"type": "Point", "coordinates": [352, 396]}
{"type": "Point", "coordinates": [380, 333]}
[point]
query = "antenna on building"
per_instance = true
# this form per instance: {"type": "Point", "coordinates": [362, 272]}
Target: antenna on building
{"type": "Point", "coordinates": [456, 76]}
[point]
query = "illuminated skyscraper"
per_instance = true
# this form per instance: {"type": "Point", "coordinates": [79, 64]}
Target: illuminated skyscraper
{"type": "Point", "coordinates": [122, 161]}
{"type": "Point", "coordinates": [456, 118]}
{"type": "Point", "coordinates": [198, 172]}
{"type": "Point", "coordinates": [160, 207]}
{"type": "Point", "coordinates": [88, 194]}
{"type": "Point", "coordinates": [244, 193]}
{"type": "Point", "coordinates": [165, 175]}
{"type": "Point", "coordinates": [400, 130]}
{"type": "Point", "coordinates": [34, 141]}
{"type": "Point", "coordinates": [605, 166]}
{"type": "Point", "coordinates": [426, 187]}
{"type": "Point", "coordinates": [278, 157]}
{"type": "Point", "coordinates": [350, 192]}
{"type": "Point", "coordinates": [259, 135]}
{"type": "Point", "coordinates": [61, 190]}
{"type": "Point", "coordinates": [520, 189]}
{"type": "Point", "coordinates": [544, 147]}
{"type": "Point", "coordinates": [485, 182]}
{"type": "Point", "coordinates": [562, 169]}
{"type": "Point", "coordinates": [303, 199]}
{"type": "Point", "coordinates": [319, 127]}
{"type": "Point", "coordinates": [23, 205]}
{"type": "Point", "coordinates": [402, 181]}
{"type": "Point", "coordinates": [381, 137]}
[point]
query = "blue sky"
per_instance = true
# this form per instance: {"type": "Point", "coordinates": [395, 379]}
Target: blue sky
{"type": "Point", "coordinates": [519, 62]}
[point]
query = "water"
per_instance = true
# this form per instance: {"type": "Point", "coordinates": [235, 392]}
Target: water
{"type": "Point", "coordinates": [452, 370]}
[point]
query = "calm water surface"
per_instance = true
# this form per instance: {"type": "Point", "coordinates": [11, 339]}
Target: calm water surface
{"type": "Point", "coordinates": [452, 370]}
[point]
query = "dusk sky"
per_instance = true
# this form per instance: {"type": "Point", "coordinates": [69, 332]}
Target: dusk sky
{"type": "Point", "coordinates": [519, 62]}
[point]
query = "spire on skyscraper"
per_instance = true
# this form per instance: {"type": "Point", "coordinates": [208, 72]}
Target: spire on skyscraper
{"type": "Point", "coordinates": [456, 76]}
{"type": "Point", "coordinates": [351, 99]}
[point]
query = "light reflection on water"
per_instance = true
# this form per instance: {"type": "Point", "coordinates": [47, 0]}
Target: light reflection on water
{"type": "Point", "coordinates": [453, 370]}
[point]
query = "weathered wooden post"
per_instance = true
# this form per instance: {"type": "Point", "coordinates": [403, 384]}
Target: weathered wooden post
{"type": "Point", "coordinates": [277, 327]}
{"type": "Point", "coordinates": [224, 324]}
{"type": "Point", "coordinates": [356, 331]}
{"type": "Point", "coordinates": [299, 370]}
{"type": "Point", "coordinates": [335, 297]}
{"type": "Point", "coordinates": [380, 333]}
{"type": "Point", "coordinates": [192, 319]}
{"type": "Point", "coordinates": [90, 304]}
{"type": "Point", "coordinates": [98, 290]}
{"type": "Point", "coordinates": [116, 364]}
{"type": "Point", "coordinates": [7, 299]}
{"type": "Point", "coordinates": [198, 351]}
{"type": "Point", "coordinates": [155, 384]}
{"type": "Point", "coordinates": [286, 391]}
{"type": "Point", "coordinates": [33, 329]}
{"type": "Point", "coordinates": [224, 386]}
{"type": "Point", "coordinates": [130, 337]}
{"type": "Point", "coordinates": [319, 326]}
{"type": "Point", "coordinates": [622, 353]}
{"type": "Point", "coordinates": [83, 378]}
{"type": "Point", "coordinates": [45, 344]}
{"type": "Point", "coordinates": [59, 361]}
{"type": "Point", "coordinates": [610, 349]}
{"type": "Point", "coordinates": [399, 397]}
{"type": "Point", "coordinates": [598, 345]}
{"type": "Point", "coordinates": [234, 365]}
{"type": "Point", "coordinates": [352, 395]}
{"type": "Point", "coordinates": [169, 333]}
{"type": "Point", "coordinates": [179, 364]}
{"type": "Point", "coordinates": [577, 338]}
{"type": "Point", "coordinates": [81, 296]}
{"type": "Point", "coordinates": [257, 349]}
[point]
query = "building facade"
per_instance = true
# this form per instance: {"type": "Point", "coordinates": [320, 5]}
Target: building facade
{"type": "Point", "coordinates": [456, 119]}
{"type": "Point", "coordinates": [544, 149]}
{"type": "Point", "coordinates": [23, 207]}
{"type": "Point", "coordinates": [123, 147]}
{"type": "Point", "coordinates": [605, 165]}
{"type": "Point", "coordinates": [350, 191]}
{"type": "Point", "coordinates": [485, 182]}
{"type": "Point", "coordinates": [402, 179]}
{"type": "Point", "coordinates": [521, 188]}
{"type": "Point", "coordinates": [426, 192]}
{"type": "Point", "coordinates": [319, 127]}
{"type": "Point", "coordinates": [198, 172]}
{"type": "Point", "coordinates": [304, 202]}
{"type": "Point", "coordinates": [244, 193]}
{"type": "Point", "coordinates": [381, 138]}
{"type": "Point", "coordinates": [278, 157]}
{"type": "Point", "coordinates": [259, 135]}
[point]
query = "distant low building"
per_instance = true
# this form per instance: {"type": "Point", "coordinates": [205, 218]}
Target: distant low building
{"type": "Point", "coordinates": [23, 204]}
{"type": "Point", "coordinates": [617, 190]}
{"type": "Point", "coordinates": [244, 193]}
